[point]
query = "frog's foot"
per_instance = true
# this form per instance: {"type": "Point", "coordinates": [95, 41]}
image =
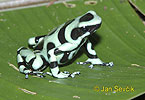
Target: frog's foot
{"type": "Point", "coordinates": [92, 62]}
{"type": "Point", "coordinates": [47, 73]}
{"type": "Point", "coordinates": [41, 76]}
{"type": "Point", "coordinates": [27, 72]}
{"type": "Point", "coordinates": [60, 75]}
{"type": "Point", "coordinates": [36, 73]}
{"type": "Point", "coordinates": [26, 76]}
{"type": "Point", "coordinates": [66, 73]}
{"type": "Point", "coordinates": [74, 74]}
{"type": "Point", "coordinates": [110, 64]}
{"type": "Point", "coordinates": [85, 63]}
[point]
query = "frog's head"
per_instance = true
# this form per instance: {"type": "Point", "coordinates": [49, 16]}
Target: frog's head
{"type": "Point", "coordinates": [90, 22]}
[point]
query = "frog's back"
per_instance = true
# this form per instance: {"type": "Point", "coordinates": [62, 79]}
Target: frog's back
{"type": "Point", "coordinates": [52, 39]}
{"type": "Point", "coordinates": [60, 35]}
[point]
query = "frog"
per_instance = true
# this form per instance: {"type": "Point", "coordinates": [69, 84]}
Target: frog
{"type": "Point", "coordinates": [60, 46]}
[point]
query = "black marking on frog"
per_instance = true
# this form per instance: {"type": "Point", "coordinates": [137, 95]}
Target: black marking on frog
{"type": "Point", "coordinates": [37, 38]}
{"type": "Point", "coordinates": [76, 32]}
{"type": "Point", "coordinates": [29, 64]}
{"type": "Point", "coordinates": [53, 64]}
{"type": "Point", "coordinates": [50, 46]}
{"type": "Point", "coordinates": [86, 17]}
{"type": "Point", "coordinates": [92, 28]}
{"type": "Point", "coordinates": [39, 46]}
{"type": "Point", "coordinates": [45, 64]}
{"type": "Point", "coordinates": [61, 34]}
{"type": "Point", "coordinates": [65, 57]}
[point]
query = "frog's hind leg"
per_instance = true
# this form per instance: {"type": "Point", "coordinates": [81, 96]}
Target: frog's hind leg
{"type": "Point", "coordinates": [22, 64]}
{"type": "Point", "coordinates": [34, 41]}
{"type": "Point", "coordinates": [25, 59]}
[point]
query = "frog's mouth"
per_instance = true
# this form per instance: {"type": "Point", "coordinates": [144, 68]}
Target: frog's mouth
{"type": "Point", "coordinates": [93, 28]}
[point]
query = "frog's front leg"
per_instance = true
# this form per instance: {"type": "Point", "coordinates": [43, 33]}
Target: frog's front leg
{"type": "Point", "coordinates": [93, 58]}
{"type": "Point", "coordinates": [54, 68]}
{"type": "Point", "coordinates": [53, 60]}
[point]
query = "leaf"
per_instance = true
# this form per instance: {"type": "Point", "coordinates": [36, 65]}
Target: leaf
{"type": "Point", "coordinates": [140, 5]}
{"type": "Point", "coordinates": [122, 41]}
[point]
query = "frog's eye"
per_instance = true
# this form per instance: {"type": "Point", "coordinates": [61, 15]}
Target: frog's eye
{"type": "Point", "coordinates": [36, 40]}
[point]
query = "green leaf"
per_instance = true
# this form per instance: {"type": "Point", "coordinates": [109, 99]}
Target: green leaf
{"type": "Point", "coordinates": [122, 41]}
{"type": "Point", "coordinates": [140, 4]}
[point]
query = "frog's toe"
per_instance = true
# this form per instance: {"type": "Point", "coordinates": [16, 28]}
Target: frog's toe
{"type": "Point", "coordinates": [26, 76]}
{"type": "Point", "coordinates": [47, 73]}
{"type": "Point", "coordinates": [83, 63]}
{"type": "Point", "coordinates": [66, 72]}
{"type": "Point", "coordinates": [75, 73]}
{"type": "Point", "coordinates": [91, 66]}
{"type": "Point", "coordinates": [41, 76]}
{"type": "Point", "coordinates": [110, 64]}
